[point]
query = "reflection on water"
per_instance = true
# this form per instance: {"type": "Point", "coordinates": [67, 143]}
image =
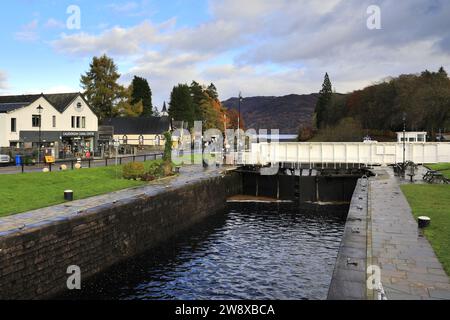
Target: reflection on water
{"type": "Point", "coordinates": [254, 251]}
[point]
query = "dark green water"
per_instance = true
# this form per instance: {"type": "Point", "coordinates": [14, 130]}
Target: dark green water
{"type": "Point", "coordinates": [254, 251]}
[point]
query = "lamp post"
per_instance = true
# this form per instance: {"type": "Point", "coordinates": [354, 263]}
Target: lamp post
{"type": "Point", "coordinates": [404, 142]}
{"type": "Point", "coordinates": [39, 109]}
{"type": "Point", "coordinates": [239, 122]}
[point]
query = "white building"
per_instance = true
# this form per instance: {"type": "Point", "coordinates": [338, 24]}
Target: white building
{"type": "Point", "coordinates": [412, 136]}
{"type": "Point", "coordinates": [140, 131]}
{"type": "Point", "coordinates": [67, 124]}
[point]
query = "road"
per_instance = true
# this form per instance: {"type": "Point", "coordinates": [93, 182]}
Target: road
{"type": "Point", "coordinates": [85, 163]}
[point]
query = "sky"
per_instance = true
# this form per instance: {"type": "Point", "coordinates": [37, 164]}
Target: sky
{"type": "Point", "coordinates": [258, 47]}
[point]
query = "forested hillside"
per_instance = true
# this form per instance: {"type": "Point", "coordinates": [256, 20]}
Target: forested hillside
{"type": "Point", "coordinates": [424, 100]}
{"type": "Point", "coordinates": [285, 113]}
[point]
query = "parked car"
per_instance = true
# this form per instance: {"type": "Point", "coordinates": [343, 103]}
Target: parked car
{"type": "Point", "coordinates": [4, 159]}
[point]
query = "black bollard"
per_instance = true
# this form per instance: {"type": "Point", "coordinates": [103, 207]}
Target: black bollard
{"type": "Point", "coordinates": [423, 222]}
{"type": "Point", "coordinates": [68, 195]}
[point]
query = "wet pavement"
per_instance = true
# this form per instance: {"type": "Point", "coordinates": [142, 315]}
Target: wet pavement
{"type": "Point", "coordinates": [410, 269]}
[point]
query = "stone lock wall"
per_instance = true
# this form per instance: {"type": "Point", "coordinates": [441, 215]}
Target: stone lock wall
{"type": "Point", "coordinates": [34, 262]}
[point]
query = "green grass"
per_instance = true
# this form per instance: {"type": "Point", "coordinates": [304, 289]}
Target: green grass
{"type": "Point", "coordinates": [29, 191]}
{"type": "Point", "coordinates": [442, 167]}
{"type": "Point", "coordinates": [433, 201]}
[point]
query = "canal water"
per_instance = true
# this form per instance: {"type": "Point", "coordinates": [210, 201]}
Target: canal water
{"type": "Point", "coordinates": [253, 251]}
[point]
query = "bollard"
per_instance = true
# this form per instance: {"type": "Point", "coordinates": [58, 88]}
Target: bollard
{"type": "Point", "coordinates": [68, 195]}
{"type": "Point", "coordinates": [423, 222]}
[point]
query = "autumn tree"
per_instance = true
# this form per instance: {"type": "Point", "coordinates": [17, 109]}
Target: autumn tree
{"type": "Point", "coordinates": [126, 108]}
{"type": "Point", "coordinates": [232, 116]}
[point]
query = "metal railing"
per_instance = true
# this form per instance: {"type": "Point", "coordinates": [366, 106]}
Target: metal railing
{"type": "Point", "coordinates": [85, 163]}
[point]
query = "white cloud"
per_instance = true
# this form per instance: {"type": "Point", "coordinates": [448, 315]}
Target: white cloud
{"type": "Point", "coordinates": [28, 32]}
{"type": "Point", "coordinates": [116, 40]}
{"type": "Point", "coordinates": [54, 24]}
{"type": "Point", "coordinates": [277, 47]}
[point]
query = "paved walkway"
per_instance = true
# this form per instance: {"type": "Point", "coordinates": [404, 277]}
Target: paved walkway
{"type": "Point", "coordinates": [43, 216]}
{"type": "Point", "coordinates": [409, 266]}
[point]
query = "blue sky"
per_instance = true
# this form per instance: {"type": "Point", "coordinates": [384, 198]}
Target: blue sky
{"type": "Point", "coordinates": [259, 47]}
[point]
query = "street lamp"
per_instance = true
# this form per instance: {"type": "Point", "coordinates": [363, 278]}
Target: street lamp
{"type": "Point", "coordinates": [404, 142]}
{"type": "Point", "coordinates": [239, 121]}
{"type": "Point", "coordinates": [39, 109]}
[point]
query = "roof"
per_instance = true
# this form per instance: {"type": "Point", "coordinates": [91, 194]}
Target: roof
{"type": "Point", "coordinates": [412, 132]}
{"type": "Point", "coordinates": [60, 101]}
{"type": "Point", "coordinates": [6, 107]}
{"type": "Point", "coordinates": [141, 125]}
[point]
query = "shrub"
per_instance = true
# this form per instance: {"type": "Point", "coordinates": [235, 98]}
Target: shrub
{"type": "Point", "coordinates": [133, 170]}
{"type": "Point", "coordinates": [155, 169]}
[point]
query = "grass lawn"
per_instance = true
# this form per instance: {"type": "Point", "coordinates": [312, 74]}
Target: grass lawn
{"type": "Point", "coordinates": [442, 167]}
{"type": "Point", "coordinates": [24, 192]}
{"type": "Point", "coordinates": [433, 201]}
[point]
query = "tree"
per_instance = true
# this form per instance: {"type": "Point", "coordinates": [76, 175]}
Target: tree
{"type": "Point", "coordinates": [181, 107]}
{"type": "Point", "coordinates": [126, 108]}
{"type": "Point", "coordinates": [232, 119]}
{"type": "Point", "coordinates": [212, 91]}
{"type": "Point", "coordinates": [212, 112]}
{"type": "Point", "coordinates": [305, 133]}
{"type": "Point", "coordinates": [324, 101]}
{"type": "Point", "coordinates": [142, 92]}
{"type": "Point", "coordinates": [197, 97]}
{"type": "Point", "coordinates": [100, 86]}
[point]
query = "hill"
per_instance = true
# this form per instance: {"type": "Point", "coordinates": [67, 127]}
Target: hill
{"type": "Point", "coordinates": [285, 113]}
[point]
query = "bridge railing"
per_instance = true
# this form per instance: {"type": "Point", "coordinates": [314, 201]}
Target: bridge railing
{"type": "Point", "coordinates": [347, 152]}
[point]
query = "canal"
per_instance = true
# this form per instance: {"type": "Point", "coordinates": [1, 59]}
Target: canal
{"type": "Point", "coordinates": [252, 251]}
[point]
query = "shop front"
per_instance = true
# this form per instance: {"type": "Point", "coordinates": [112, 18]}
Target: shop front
{"type": "Point", "coordinates": [77, 144]}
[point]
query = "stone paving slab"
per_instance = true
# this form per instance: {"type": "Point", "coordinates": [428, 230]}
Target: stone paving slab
{"type": "Point", "coordinates": [410, 269]}
{"type": "Point", "coordinates": [349, 276]}
{"type": "Point", "coordinates": [32, 219]}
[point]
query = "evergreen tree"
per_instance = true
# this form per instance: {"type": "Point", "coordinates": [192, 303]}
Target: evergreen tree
{"type": "Point", "coordinates": [181, 107]}
{"type": "Point", "coordinates": [197, 97]}
{"type": "Point", "coordinates": [100, 86]}
{"type": "Point", "coordinates": [125, 107]}
{"type": "Point", "coordinates": [142, 92]}
{"type": "Point", "coordinates": [212, 91]}
{"type": "Point", "coordinates": [324, 101]}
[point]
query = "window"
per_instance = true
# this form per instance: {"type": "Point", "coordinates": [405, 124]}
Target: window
{"type": "Point", "coordinates": [124, 139]}
{"type": "Point", "coordinates": [83, 122]}
{"type": "Point", "coordinates": [78, 122]}
{"type": "Point", "coordinates": [13, 124]}
{"type": "Point", "coordinates": [79, 105]}
{"type": "Point", "coordinates": [54, 121]}
{"type": "Point", "coordinates": [73, 122]}
{"type": "Point", "coordinates": [36, 120]}
{"type": "Point", "coordinates": [412, 139]}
